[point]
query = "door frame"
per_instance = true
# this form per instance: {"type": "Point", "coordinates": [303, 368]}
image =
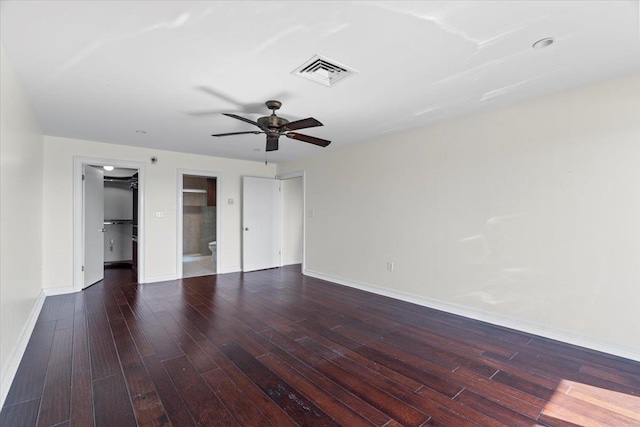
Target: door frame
{"type": "Point", "coordinates": [179, 213]}
{"type": "Point", "coordinates": [78, 207]}
{"type": "Point", "coordinates": [298, 174]}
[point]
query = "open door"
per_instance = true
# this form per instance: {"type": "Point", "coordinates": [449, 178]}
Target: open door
{"type": "Point", "coordinates": [260, 223]}
{"type": "Point", "coordinates": [93, 221]}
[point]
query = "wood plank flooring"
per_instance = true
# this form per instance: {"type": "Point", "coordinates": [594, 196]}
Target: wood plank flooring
{"type": "Point", "coordinates": [275, 348]}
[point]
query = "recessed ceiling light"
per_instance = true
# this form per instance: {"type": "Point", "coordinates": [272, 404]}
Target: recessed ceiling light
{"type": "Point", "coordinates": [548, 41]}
{"type": "Point", "coordinates": [141, 131]}
{"type": "Point", "coordinates": [107, 168]}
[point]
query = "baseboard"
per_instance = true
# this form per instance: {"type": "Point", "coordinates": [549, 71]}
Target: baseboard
{"type": "Point", "coordinates": [495, 319]}
{"type": "Point", "coordinates": [62, 290]}
{"type": "Point", "coordinates": [230, 269]}
{"type": "Point", "coordinates": [11, 368]}
{"type": "Point", "coordinates": [163, 278]}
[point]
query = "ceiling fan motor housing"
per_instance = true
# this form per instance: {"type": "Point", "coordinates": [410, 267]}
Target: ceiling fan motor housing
{"type": "Point", "coordinates": [272, 122]}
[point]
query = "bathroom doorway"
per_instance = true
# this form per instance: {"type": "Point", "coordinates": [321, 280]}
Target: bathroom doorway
{"type": "Point", "coordinates": [199, 228]}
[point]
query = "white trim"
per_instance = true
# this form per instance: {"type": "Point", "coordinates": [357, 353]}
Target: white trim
{"type": "Point", "coordinates": [61, 290]}
{"type": "Point", "coordinates": [78, 241]}
{"type": "Point", "coordinates": [303, 175]}
{"type": "Point", "coordinates": [495, 319]}
{"type": "Point", "coordinates": [290, 175]}
{"type": "Point", "coordinates": [10, 369]}
{"type": "Point", "coordinates": [230, 269]}
{"type": "Point", "coordinates": [161, 278]}
{"type": "Point", "coordinates": [179, 212]}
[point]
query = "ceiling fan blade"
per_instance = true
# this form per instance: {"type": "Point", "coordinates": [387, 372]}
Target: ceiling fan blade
{"type": "Point", "coordinates": [254, 107]}
{"type": "Point", "coordinates": [237, 133]}
{"type": "Point", "coordinates": [302, 124]}
{"type": "Point", "coordinates": [272, 143]}
{"type": "Point", "coordinates": [202, 113]}
{"type": "Point", "coordinates": [243, 119]}
{"type": "Point", "coordinates": [310, 139]}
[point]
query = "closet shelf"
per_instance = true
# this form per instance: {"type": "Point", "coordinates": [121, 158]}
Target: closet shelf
{"type": "Point", "coordinates": [118, 221]}
{"type": "Point", "coordinates": [194, 190]}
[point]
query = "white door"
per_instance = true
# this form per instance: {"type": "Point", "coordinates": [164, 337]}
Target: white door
{"type": "Point", "coordinates": [260, 223]}
{"type": "Point", "coordinates": [93, 220]}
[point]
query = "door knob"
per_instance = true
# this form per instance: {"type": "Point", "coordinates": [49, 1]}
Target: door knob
{"type": "Point", "coordinates": [246, 229]}
{"type": "Point", "coordinates": [104, 230]}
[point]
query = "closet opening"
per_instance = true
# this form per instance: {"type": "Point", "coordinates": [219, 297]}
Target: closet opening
{"type": "Point", "coordinates": [121, 218]}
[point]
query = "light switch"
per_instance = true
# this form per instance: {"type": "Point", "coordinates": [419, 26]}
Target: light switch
{"type": "Point", "coordinates": [159, 214]}
{"type": "Point", "coordinates": [230, 201]}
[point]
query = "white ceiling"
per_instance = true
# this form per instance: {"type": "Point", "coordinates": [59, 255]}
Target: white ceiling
{"type": "Point", "coordinates": [102, 70]}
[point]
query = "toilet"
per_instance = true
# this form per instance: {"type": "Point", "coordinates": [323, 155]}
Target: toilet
{"type": "Point", "coordinates": [212, 248]}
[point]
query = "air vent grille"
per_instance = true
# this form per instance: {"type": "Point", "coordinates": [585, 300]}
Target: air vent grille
{"type": "Point", "coordinates": [323, 70]}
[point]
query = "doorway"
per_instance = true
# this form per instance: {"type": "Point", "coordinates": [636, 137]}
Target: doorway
{"type": "Point", "coordinates": [120, 218]}
{"type": "Point", "coordinates": [292, 220]}
{"type": "Point", "coordinates": [110, 220]}
{"type": "Point", "coordinates": [198, 220]}
{"type": "Point", "coordinates": [107, 218]}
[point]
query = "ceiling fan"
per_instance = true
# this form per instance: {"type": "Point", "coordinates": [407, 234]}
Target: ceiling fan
{"type": "Point", "coordinates": [275, 127]}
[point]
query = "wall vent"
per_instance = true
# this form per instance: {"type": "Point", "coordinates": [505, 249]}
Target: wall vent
{"type": "Point", "coordinates": [323, 70]}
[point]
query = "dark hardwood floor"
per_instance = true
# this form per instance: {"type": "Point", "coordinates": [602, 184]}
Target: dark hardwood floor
{"type": "Point", "coordinates": [276, 348]}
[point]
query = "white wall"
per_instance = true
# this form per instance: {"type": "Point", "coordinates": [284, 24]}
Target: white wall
{"type": "Point", "coordinates": [292, 205]}
{"type": "Point", "coordinates": [527, 216]}
{"type": "Point", "coordinates": [160, 195]}
{"type": "Point", "coordinates": [20, 221]}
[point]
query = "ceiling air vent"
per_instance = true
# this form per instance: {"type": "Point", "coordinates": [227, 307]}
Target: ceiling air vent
{"type": "Point", "coordinates": [323, 70]}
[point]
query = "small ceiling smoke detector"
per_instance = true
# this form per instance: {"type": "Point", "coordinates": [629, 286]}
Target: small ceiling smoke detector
{"type": "Point", "coordinates": [108, 168]}
{"type": "Point", "coordinates": [544, 43]}
{"type": "Point", "coordinates": [323, 70]}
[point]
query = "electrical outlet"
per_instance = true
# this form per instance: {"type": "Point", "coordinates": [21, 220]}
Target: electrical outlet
{"type": "Point", "coordinates": [389, 265]}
